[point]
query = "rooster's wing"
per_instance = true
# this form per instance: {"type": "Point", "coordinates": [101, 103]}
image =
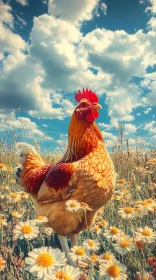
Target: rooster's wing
{"type": "Point", "coordinates": [59, 183]}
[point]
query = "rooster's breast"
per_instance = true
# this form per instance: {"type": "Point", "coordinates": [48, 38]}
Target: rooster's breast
{"type": "Point", "coordinates": [95, 179]}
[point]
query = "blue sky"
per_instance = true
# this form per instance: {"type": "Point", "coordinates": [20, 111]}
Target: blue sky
{"type": "Point", "coordinates": [50, 49]}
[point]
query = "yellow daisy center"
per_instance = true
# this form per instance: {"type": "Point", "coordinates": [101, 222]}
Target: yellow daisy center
{"type": "Point", "coordinates": [14, 195]}
{"type": "Point", "coordinates": [128, 210]}
{"type": "Point", "coordinates": [14, 213]}
{"type": "Point", "coordinates": [91, 243]}
{"type": "Point", "coordinates": [26, 229]}
{"type": "Point", "coordinates": [96, 228]}
{"type": "Point", "coordinates": [146, 232]}
{"type": "Point", "coordinates": [145, 278]}
{"type": "Point", "coordinates": [62, 276]}
{"type": "Point", "coordinates": [154, 208]}
{"type": "Point", "coordinates": [23, 197]}
{"type": "Point", "coordinates": [44, 260]}
{"type": "Point", "coordinates": [121, 181]}
{"type": "Point", "coordinates": [2, 165]}
{"type": "Point", "coordinates": [107, 257]}
{"type": "Point", "coordinates": [103, 223]}
{"type": "Point", "coordinates": [1, 220]}
{"type": "Point", "coordinates": [24, 193]}
{"type": "Point", "coordinates": [114, 231]}
{"type": "Point", "coordinates": [1, 262]}
{"type": "Point", "coordinates": [144, 203]}
{"type": "Point", "coordinates": [150, 200]}
{"type": "Point", "coordinates": [125, 243]}
{"type": "Point", "coordinates": [73, 204]}
{"type": "Point", "coordinates": [80, 252]}
{"type": "Point", "coordinates": [40, 218]}
{"type": "Point", "coordinates": [94, 257]}
{"type": "Point", "coordinates": [113, 270]}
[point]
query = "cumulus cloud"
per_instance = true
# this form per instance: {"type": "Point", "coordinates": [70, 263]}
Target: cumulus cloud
{"type": "Point", "coordinates": [5, 14]}
{"type": "Point", "coordinates": [72, 11]}
{"type": "Point", "coordinates": [152, 6]}
{"type": "Point", "coordinates": [25, 125]}
{"type": "Point", "coordinates": [150, 127]}
{"type": "Point", "coordinates": [130, 128]}
{"type": "Point", "coordinates": [60, 58]}
{"type": "Point", "coordinates": [22, 2]}
{"type": "Point", "coordinates": [109, 138]}
{"type": "Point", "coordinates": [152, 94]}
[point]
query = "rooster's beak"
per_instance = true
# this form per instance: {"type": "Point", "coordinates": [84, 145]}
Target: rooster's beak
{"type": "Point", "coordinates": [96, 106]}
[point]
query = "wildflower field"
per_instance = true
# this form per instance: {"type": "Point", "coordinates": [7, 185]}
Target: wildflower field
{"type": "Point", "coordinates": [119, 245]}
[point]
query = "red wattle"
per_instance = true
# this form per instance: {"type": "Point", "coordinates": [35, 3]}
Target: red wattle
{"type": "Point", "coordinates": [96, 114]}
{"type": "Point", "coordinates": [90, 117]}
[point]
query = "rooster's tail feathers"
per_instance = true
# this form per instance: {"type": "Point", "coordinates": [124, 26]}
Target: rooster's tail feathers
{"type": "Point", "coordinates": [22, 149]}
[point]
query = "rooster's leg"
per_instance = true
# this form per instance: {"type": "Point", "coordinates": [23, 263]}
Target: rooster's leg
{"type": "Point", "coordinates": [73, 239]}
{"type": "Point", "coordinates": [65, 248]}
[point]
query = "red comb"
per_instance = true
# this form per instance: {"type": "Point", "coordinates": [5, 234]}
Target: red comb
{"type": "Point", "coordinates": [88, 94]}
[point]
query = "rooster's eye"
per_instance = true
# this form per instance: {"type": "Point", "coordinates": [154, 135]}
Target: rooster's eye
{"type": "Point", "coordinates": [83, 104]}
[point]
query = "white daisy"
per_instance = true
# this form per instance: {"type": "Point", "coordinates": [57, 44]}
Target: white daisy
{"type": "Point", "coordinates": [14, 197]}
{"type": "Point", "coordinates": [24, 196]}
{"type": "Point", "coordinates": [145, 235]}
{"type": "Point", "coordinates": [91, 245]}
{"type": "Point", "coordinates": [16, 214]}
{"type": "Point", "coordinates": [112, 270]}
{"type": "Point", "coordinates": [3, 222]}
{"type": "Point", "coordinates": [48, 231]}
{"type": "Point", "coordinates": [73, 206]}
{"type": "Point", "coordinates": [78, 253]}
{"type": "Point", "coordinates": [112, 233]}
{"type": "Point", "coordinates": [41, 262]}
{"type": "Point", "coordinates": [146, 276]}
{"type": "Point", "coordinates": [124, 245]}
{"type": "Point", "coordinates": [102, 224]}
{"type": "Point", "coordinates": [66, 273]}
{"type": "Point", "coordinates": [41, 220]}
{"type": "Point", "coordinates": [126, 212]}
{"type": "Point", "coordinates": [107, 256]}
{"type": "Point", "coordinates": [26, 230]}
{"type": "Point", "coordinates": [97, 229]}
{"type": "Point", "coordinates": [139, 212]}
{"type": "Point", "coordinates": [146, 206]}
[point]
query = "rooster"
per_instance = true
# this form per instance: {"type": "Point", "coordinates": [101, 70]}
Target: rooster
{"type": "Point", "coordinates": [85, 174]}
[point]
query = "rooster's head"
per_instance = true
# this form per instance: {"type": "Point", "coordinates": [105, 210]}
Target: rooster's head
{"type": "Point", "coordinates": [88, 106]}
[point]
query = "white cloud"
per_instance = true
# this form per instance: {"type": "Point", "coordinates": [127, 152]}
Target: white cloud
{"type": "Point", "coordinates": [152, 94]}
{"type": "Point", "coordinates": [150, 76]}
{"type": "Point", "coordinates": [24, 125]}
{"type": "Point", "coordinates": [10, 43]}
{"type": "Point", "coordinates": [104, 8]}
{"type": "Point", "coordinates": [152, 6]}
{"type": "Point", "coordinates": [72, 11]}
{"type": "Point", "coordinates": [22, 2]}
{"type": "Point", "coordinates": [130, 128]}
{"type": "Point", "coordinates": [145, 83]}
{"type": "Point", "coordinates": [151, 127]}
{"type": "Point", "coordinates": [106, 126]}
{"type": "Point", "coordinates": [60, 58]}
{"type": "Point", "coordinates": [5, 14]}
{"type": "Point", "coordinates": [147, 110]}
{"type": "Point", "coordinates": [109, 138]}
